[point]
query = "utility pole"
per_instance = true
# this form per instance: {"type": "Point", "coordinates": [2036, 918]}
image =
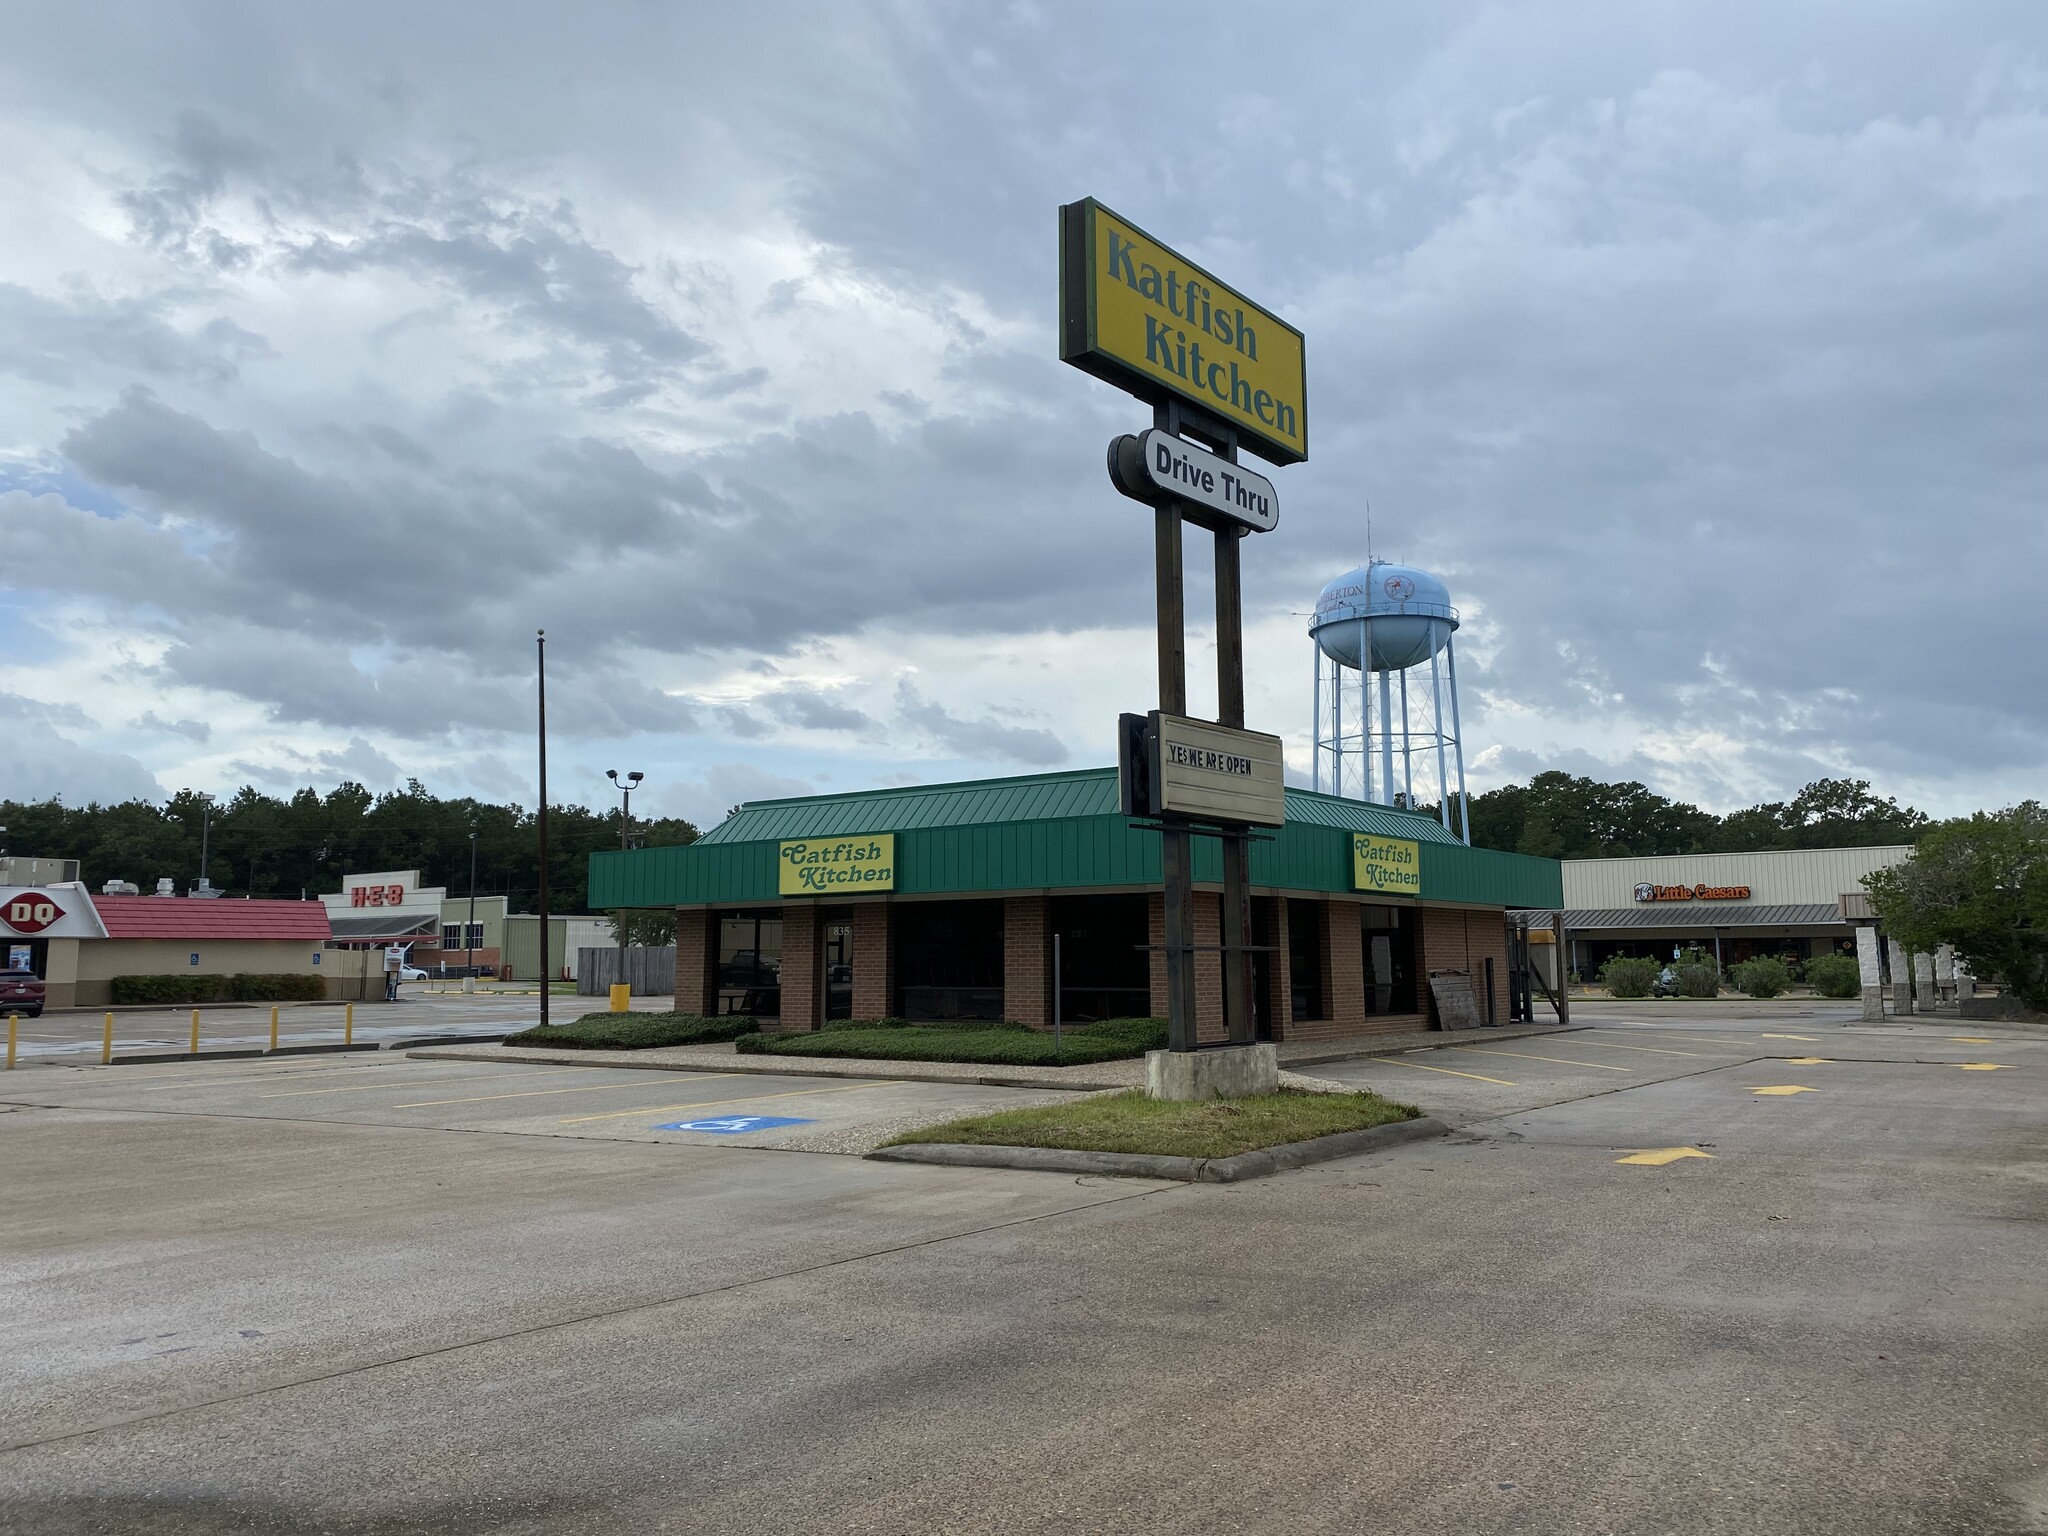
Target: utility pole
{"type": "Point", "coordinates": [469, 928]}
{"type": "Point", "coordinates": [205, 834]}
{"type": "Point", "coordinates": [626, 787]}
{"type": "Point", "coordinates": [540, 644]}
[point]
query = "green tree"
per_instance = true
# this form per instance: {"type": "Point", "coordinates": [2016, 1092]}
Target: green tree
{"type": "Point", "coordinates": [1981, 884]}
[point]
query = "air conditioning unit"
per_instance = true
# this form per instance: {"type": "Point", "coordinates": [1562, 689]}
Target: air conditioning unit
{"type": "Point", "coordinates": [120, 888]}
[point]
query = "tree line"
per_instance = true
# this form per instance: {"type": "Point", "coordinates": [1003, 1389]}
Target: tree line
{"type": "Point", "coordinates": [260, 845]}
{"type": "Point", "coordinates": [1559, 816]}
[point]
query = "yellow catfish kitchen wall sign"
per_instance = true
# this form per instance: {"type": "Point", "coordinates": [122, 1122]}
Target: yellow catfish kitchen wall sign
{"type": "Point", "coordinates": [818, 866]}
{"type": "Point", "coordinates": [1146, 319]}
{"type": "Point", "coordinates": [1385, 864]}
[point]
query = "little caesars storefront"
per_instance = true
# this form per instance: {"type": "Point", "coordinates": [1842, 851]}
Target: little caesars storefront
{"type": "Point", "coordinates": [946, 901]}
{"type": "Point", "coordinates": [1732, 905]}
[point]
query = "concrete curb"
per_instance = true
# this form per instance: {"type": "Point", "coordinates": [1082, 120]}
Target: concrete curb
{"type": "Point", "coordinates": [421, 1041]}
{"type": "Point", "coordinates": [1190, 1170]}
{"type": "Point", "coordinates": [140, 1057]}
{"type": "Point", "coordinates": [876, 1071]}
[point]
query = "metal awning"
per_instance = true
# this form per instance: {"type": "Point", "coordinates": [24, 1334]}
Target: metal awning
{"type": "Point", "coordinates": [360, 930]}
{"type": "Point", "coordinates": [1708, 915]}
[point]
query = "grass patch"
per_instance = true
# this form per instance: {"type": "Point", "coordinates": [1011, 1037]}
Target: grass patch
{"type": "Point", "coordinates": [636, 1031]}
{"type": "Point", "coordinates": [990, 1044]}
{"type": "Point", "coordinates": [1131, 1122]}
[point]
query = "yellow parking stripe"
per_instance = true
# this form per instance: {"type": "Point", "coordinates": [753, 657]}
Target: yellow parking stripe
{"type": "Point", "coordinates": [1395, 1061]}
{"type": "Point", "coordinates": [1525, 1056]}
{"type": "Point", "coordinates": [538, 1093]}
{"type": "Point", "coordinates": [1654, 1050]}
{"type": "Point", "coordinates": [464, 1077]}
{"type": "Point", "coordinates": [666, 1109]}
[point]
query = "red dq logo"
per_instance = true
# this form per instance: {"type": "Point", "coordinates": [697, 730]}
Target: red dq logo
{"type": "Point", "coordinates": [31, 912]}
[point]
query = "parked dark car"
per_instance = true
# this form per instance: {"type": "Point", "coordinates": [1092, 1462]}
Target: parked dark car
{"type": "Point", "coordinates": [21, 992]}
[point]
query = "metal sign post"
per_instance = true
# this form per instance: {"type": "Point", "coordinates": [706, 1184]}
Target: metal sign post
{"type": "Point", "coordinates": [1218, 369]}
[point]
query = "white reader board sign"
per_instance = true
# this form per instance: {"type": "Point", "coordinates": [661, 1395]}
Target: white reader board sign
{"type": "Point", "coordinates": [1219, 772]}
{"type": "Point", "coordinates": [1154, 466]}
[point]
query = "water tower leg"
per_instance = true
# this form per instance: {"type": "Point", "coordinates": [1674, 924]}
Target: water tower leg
{"type": "Point", "coordinates": [1436, 695]}
{"type": "Point", "coordinates": [1315, 735]}
{"type": "Point", "coordinates": [1458, 741]}
{"type": "Point", "coordinates": [1337, 729]}
{"type": "Point", "coordinates": [1365, 709]}
{"type": "Point", "coordinates": [1386, 739]}
{"type": "Point", "coordinates": [1407, 748]}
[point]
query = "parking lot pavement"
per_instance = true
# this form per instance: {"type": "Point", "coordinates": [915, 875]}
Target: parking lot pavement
{"type": "Point", "coordinates": [712, 1109]}
{"type": "Point", "coordinates": [1686, 1306]}
{"type": "Point", "coordinates": [1473, 1079]}
{"type": "Point", "coordinates": [74, 1035]}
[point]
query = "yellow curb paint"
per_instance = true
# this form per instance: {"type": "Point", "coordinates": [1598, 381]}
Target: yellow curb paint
{"type": "Point", "coordinates": [1662, 1156]}
{"type": "Point", "coordinates": [1809, 1039]}
{"type": "Point", "coordinates": [1971, 1039]}
{"type": "Point", "coordinates": [1807, 1061]}
{"type": "Point", "coordinates": [1783, 1090]}
{"type": "Point", "coordinates": [1984, 1066]}
{"type": "Point", "coordinates": [1395, 1061]}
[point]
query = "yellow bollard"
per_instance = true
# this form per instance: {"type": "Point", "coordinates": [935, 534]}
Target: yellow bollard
{"type": "Point", "coordinates": [107, 1042]}
{"type": "Point", "coordinates": [622, 998]}
{"type": "Point", "coordinates": [273, 1026]}
{"type": "Point", "coordinates": [348, 1024]}
{"type": "Point", "coordinates": [13, 1024]}
{"type": "Point", "coordinates": [195, 1031]}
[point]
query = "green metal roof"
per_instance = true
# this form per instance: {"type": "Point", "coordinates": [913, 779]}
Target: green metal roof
{"type": "Point", "coordinates": [1046, 832]}
{"type": "Point", "coordinates": [1032, 797]}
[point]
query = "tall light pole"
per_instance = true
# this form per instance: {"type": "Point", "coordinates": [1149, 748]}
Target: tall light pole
{"type": "Point", "coordinates": [469, 928]}
{"type": "Point", "coordinates": [205, 833]}
{"type": "Point", "coordinates": [626, 788]}
{"type": "Point", "coordinates": [540, 651]}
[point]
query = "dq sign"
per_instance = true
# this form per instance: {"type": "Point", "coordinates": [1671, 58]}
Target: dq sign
{"type": "Point", "coordinates": [30, 911]}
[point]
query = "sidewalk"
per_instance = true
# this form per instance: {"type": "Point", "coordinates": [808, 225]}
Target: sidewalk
{"type": "Point", "coordinates": [1084, 1079]}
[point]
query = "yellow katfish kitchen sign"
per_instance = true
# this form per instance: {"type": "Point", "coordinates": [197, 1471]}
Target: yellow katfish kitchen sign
{"type": "Point", "coordinates": [1142, 316]}
{"type": "Point", "coordinates": [1388, 864]}
{"type": "Point", "coordinates": [819, 866]}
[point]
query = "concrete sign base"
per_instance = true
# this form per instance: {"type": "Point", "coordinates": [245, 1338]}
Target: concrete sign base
{"type": "Point", "coordinates": [1228, 1072]}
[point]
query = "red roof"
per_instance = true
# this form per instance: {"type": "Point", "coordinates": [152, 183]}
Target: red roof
{"type": "Point", "coordinates": [182, 917]}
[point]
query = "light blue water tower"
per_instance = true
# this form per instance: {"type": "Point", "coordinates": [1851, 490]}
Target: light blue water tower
{"type": "Point", "coordinates": [1381, 622]}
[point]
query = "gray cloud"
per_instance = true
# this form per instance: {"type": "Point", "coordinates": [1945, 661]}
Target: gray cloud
{"type": "Point", "coordinates": [1705, 356]}
{"type": "Point", "coordinates": [194, 730]}
{"type": "Point", "coordinates": [983, 740]}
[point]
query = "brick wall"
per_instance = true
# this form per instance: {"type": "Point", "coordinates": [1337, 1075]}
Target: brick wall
{"type": "Point", "coordinates": [874, 962]}
{"type": "Point", "coordinates": [1209, 1023]}
{"type": "Point", "coordinates": [696, 957]}
{"type": "Point", "coordinates": [801, 964]}
{"type": "Point", "coordinates": [1279, 999]}
{"type": "Point", "coordinates": [1155, 935]}
{"type": "Point", "coordinates": [1027, 961]}
{"type": "Point", "coordinates": [1457, 940]}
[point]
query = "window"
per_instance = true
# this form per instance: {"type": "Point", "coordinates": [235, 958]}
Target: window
{"type": "Point", "coordinates": [838, 928]}
{"type": "Point", "coordinates": [462, 936]}
{"type": "Point", "coordinates": [750, 964]}
{"type": "Point", "coordinates": [1105, 968]}
{"type": "Point", "coordinates": [1389, 959]}
{"type": "Point", "coordinates": [1305, 958]}
{"type": "Point", "coordinates": [949, 959]}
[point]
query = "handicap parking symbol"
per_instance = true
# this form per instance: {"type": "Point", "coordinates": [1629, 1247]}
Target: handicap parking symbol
{"type": "Point", "coordinates": [731, 1125]}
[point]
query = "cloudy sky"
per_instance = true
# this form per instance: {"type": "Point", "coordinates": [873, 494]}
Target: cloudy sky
{"type": "Point", "coordinates": [1702, 349]}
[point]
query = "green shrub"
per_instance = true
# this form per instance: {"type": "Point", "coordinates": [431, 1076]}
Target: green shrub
{"type": "Point", "coordinates": [190, 987]}
{"type": "Point", "coordinates": [1761, 977]}
{"type": "Point", "coordinates": [636, 1031]}
{"type": "Point", "coordinates": [1011, 1045]}
{"type": "Point", "coordinates": [1835, 975]}
{"type": "Point", "coordinates": [1697, 979]}
{"type": "Point", "coordinates": [1627, 976]}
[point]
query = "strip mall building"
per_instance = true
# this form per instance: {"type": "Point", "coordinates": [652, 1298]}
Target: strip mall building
{"type": "Point", "coordinates": [944, 901]}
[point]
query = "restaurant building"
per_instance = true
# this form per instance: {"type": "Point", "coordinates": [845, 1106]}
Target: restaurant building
{"type": "Point", "coordinates": [79, 942]}
{"type": "Point", "coordinates": [1735, 906]}
{"type": "Point", "coordinates": [945, 901]}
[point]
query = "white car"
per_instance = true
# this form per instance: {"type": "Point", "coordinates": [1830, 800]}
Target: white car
{"type": "Point", "coordinates": [411, 973]}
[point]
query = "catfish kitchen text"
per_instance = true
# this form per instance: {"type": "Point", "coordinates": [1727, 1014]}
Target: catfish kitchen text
{"type": "Point", "coordinates": [838, 865]}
